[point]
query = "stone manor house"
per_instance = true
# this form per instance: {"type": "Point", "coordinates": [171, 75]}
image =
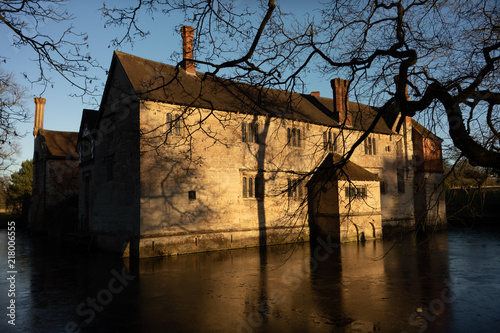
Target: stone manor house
{"type": "Point", "coordinates": [176, 161]}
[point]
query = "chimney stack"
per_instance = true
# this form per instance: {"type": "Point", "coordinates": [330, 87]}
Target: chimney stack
{"type": "Point", "coordinates": [39, 109]}
{"type": "Point", "coordinates": [341, 101]}
{"type": "Point", "coordinates": [315, 93]}
{"type": "Point", "coordinates": [187, 33]}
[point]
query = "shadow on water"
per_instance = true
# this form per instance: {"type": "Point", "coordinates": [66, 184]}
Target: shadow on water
{"type": "Point", "coordinates": [438, 285]}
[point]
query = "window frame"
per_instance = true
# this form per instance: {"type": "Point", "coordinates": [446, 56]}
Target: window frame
{"type": "Point", "coordinates": [356, 192]}
{"type": "Point", "coordinates": [295, 189]}
{"type": "Point", "coordinates": [252, 186]}
{"type": "Point", "coordinates": [173, 122]}
{"type": "Point", "coordinates": [329, 141]}
{"type": "Point", "coordinates": [370, 144]}
{"type": "Point", "coordinates": [294, 137]}
{"type": "Point", "coordinates": [250, 132]}
{"type": "Point", "coordinates": [192, 195]}
{"type": "Point", "coordinates": [177, 125]}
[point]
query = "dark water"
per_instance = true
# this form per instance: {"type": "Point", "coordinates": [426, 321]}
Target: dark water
{"type": "Point", "coordinates": [450, 283]}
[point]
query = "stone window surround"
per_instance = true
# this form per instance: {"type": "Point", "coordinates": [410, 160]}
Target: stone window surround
{"type": "Point", "coordinates": [173, 124]}
{"type": "Point", "coordinates": [370, 144]}
{"type": "Point", "coordinates": [294, 137]}
{"type": "Point", "coordinates": [356, 192]}
{"type": "Point", "coordinates": [250, 131]}
{"type": "Point", "coordinates": [251, 186]}
{"type": "Point", "coordinates": [330, 141]}
{"type": "Point", "coordinates": [295, 188]}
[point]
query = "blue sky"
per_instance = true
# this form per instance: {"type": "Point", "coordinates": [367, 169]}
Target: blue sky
{"type": "Point", "coordinates": [63, 112]}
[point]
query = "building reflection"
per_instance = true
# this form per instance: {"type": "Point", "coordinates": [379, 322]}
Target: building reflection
{"type": "Point", "coordinates": [320, 287]}
{"type": "Point", "coordinates": [368, 286]}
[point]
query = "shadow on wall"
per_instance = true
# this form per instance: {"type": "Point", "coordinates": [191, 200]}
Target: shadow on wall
{"type": "Point", "coordinates": [62, 219]}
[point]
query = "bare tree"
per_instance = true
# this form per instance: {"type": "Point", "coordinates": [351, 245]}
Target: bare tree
{"type": "Point", "coordinates": [445, 54]}
{"type": "Point", "coordinates": [12, 111]}
{"type": "Point", "coordinates": [65, 53]}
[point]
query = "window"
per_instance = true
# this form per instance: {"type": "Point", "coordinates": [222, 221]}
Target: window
{"type": "Point", "coordinates": [173, 125]}
{"type": "Point", "coordinates": [177, 125]}
{"type": "Point", "coordinates": [294, 138]}
{"type": "Point", "coordinates": [108, 165]}
{"type": "Point", "coordinates": [356, 192]}
{"type": "Point", "coordinates": [329, 142]}
{"type": "Point", "coordinates": [250, 132]}
{"type": "Point", "coordinates": [169, 123]}
{"type": "Point", "coordinates": [295, 189]}
{"type": "Point", "coordinates": [244, 132]}
{"type": "Point", "coordinates": [383, 187]}
{"type": "Point", "coordinates": [401, 181]}
{"type": "Point", "coordinates": [245, 187]}
{"type": "Point", "coordinates": [192, 195]}
{"type": "Point", "coordinates": [370, 146]}
{"type": "Point", "coordinates": [252, 186]}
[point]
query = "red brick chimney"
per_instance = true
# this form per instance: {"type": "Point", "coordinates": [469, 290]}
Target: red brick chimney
{"type": "Point", "coordinates": [341, 101]}
{"type": "Point", "coordinates": [315, 93]}
{"type": "Point", "coordinates": [187, 33]}
{"type": "Point", "coordinates": [39, 109]}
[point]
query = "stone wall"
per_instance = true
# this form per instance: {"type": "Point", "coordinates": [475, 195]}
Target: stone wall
{"type": "Point", "coordinates": [192, 178]}
{"type": "Point", "coordinates": [116, 185]}
{"type": "Point", "coordinates": [360, 216]}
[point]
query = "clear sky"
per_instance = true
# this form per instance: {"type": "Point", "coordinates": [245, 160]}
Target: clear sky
{"type": "Point", "coordinates": [63, 112]}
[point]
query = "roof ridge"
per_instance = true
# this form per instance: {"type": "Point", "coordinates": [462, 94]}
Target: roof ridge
{"type": "Point", "coordinates": [157, 81]}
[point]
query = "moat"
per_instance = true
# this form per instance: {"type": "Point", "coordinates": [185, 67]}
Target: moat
{"type": "Point", "coordinates": [448, 283]}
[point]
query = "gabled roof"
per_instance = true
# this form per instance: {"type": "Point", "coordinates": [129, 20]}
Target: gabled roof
{"type": "Point", "coordinates": [328, 171]}
{"type": "Point", "coordinates": [424, 132]}
{"type": "Point", "coordinates": [156, 81]}
{"type": "Point", "coordinates": [60, 145]}
{"type": "Point", "coordinates": [88, 122]}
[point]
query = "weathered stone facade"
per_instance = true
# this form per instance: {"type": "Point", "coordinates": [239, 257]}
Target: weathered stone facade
{"type": "Point", "coordinates": [182, 164]}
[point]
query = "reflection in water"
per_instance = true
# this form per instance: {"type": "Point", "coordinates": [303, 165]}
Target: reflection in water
{"type": "Point", "coordinates": [388, 286]}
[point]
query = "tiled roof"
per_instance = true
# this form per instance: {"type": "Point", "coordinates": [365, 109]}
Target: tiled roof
{"type": "Point", "coordinates": [424, 132]}
{"type": "Point", "coordinates": [160, 82]}
{"type": "Point", "coordinates": [60, 144]}
{"type": "Point", "coordinates": [328, 171]}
